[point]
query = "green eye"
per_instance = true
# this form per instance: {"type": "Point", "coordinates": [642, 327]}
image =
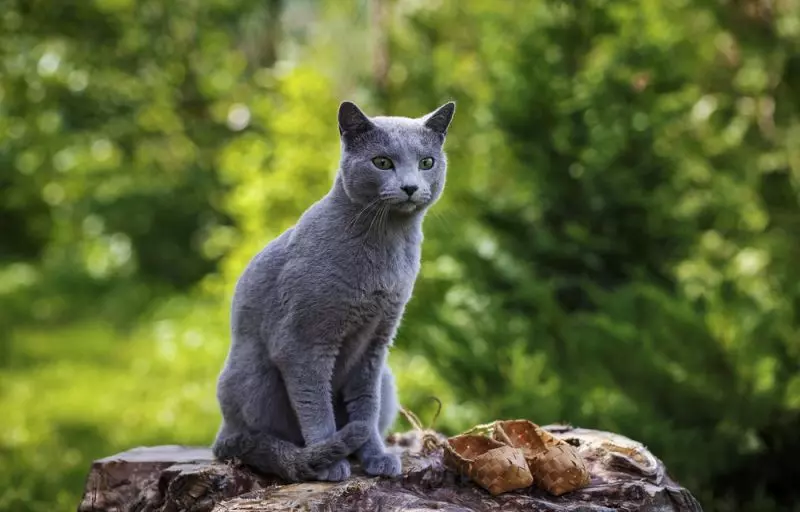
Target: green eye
{"type": "Point", "coordinates": [382, 163]}
{"type": "Point", "coordinates": [426, 163]}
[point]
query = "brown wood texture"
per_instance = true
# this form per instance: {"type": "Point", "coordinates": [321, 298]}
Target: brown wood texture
{"type": "Point", "coordinates": [625, 476]}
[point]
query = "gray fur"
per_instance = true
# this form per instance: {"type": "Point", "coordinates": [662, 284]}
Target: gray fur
{"type": "Point", "coordinates": [306, 382]}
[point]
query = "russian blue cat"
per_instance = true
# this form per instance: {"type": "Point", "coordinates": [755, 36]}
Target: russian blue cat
{"type": "Point", "coordinates": [306, 381]}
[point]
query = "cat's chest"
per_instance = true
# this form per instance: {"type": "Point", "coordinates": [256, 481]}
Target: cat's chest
{"type": "Point", "coordinates": [371, 319]}
{"type": "Point", "coordinates": [390, 281]}
{"type": "Point", "coordinates": [382, 290]}
{"type": "Point", "coordinates": [383, 285]}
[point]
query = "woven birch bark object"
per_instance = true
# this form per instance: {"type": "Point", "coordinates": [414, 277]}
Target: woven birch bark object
{"type": "Point", "coordinates": [555, 465]}
{"type": "Point", "coordinates": [495, 466]}
{"type": "Point", "coordinates": [508, 455]}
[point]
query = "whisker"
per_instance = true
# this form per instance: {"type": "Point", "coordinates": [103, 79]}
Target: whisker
{"type": "Point", "coordinates": [369, 228]}
{"type": "Point", "coordinates": [384, 220]}
{"type": "Point", "coordinates": [355, 219]}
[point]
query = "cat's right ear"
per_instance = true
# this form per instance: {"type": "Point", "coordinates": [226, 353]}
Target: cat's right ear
{"type": "Point", "coordinates": [352, 120]}
{"type": "Point", "coordinates": [439, 120]}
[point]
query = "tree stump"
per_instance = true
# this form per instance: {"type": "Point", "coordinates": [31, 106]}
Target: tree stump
{"type": "Point", "coordinates": [625, 477]}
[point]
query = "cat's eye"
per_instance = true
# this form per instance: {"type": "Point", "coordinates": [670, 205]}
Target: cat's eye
{"type": "Point", "coordinates": [382, 163]}
{"type": "Point", "coordinates": [426, 163]}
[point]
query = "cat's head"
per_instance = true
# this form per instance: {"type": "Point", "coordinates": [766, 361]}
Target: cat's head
{"type": "Point", "coordinates": [396, 161]}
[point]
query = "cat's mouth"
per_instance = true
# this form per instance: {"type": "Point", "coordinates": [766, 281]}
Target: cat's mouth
{"type": "Point", "coordinates": [407, 206]}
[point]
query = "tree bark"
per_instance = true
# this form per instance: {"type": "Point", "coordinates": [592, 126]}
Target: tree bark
{"type": "Point", "coordinates": [625, 477]}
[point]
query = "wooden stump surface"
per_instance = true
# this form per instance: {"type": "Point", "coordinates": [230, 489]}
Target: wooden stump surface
{"type": "Point", "coordinates": [625, 477]}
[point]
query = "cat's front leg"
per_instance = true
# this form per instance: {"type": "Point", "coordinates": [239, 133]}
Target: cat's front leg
{"type": "Point", "coordinates": [307, 373]}
{"type": "Point", "coordinates": [361, 395]}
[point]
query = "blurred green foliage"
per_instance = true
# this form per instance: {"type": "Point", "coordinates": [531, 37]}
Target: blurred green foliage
{"type": "Point", "coordinates": [617, 246]}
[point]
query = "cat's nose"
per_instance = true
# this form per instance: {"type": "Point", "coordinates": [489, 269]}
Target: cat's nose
{"type": "Point", "coordinates": [409, 189]}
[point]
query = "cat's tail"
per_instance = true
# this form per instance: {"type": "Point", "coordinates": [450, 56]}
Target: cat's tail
{"type": "Point", "coordinates": [272, 455]}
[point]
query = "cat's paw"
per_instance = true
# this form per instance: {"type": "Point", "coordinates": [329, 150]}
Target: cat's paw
{"type": "Point", "coordinates": [382, 464]}
{"type": "Point", "coordinates": [336, 472]}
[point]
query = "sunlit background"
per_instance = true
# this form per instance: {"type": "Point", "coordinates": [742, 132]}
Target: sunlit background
{"type": "Point", "coordinates": [618, 245]}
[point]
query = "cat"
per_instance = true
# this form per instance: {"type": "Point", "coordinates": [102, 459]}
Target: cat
{"type": "Point", "coordinates": [306, 382]}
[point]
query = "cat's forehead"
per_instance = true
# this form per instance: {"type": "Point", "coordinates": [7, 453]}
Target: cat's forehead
{"type": "Point", "coordinates": [402, 132]}
{"type": "Point", "coordinates": [399, 126]}
{"type": "Point", "coordinates": [396, 121]}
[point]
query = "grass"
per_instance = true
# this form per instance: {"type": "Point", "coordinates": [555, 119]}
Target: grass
{"type": "Point", "coordinates": [85, 391]}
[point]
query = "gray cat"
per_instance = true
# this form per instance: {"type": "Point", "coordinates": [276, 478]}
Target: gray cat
{"type": "Point", "coordinates": [306, 382]}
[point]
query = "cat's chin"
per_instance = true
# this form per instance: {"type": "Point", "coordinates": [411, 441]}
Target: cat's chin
{"type": "Point", "coordinates": [407, 207]}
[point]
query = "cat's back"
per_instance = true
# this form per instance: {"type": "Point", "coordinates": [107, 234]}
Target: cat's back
{"type": "Point", "coordinates": [261, 272]}
{"type": "Point", "coordinates": [295, 245]}
{"type": "Point", "coordinates": [321, 257]}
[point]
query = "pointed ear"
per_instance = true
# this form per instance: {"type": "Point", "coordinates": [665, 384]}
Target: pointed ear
{"type": "Point", "coordinates": [352, 120]}
{"type": "Point", "coordinates": [439, 120]}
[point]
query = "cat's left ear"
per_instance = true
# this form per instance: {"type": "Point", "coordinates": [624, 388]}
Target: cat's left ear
{"type": "Point", "coordinates": [352, 120]}
{"type": "Point", "coordinates": [439, 120]}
